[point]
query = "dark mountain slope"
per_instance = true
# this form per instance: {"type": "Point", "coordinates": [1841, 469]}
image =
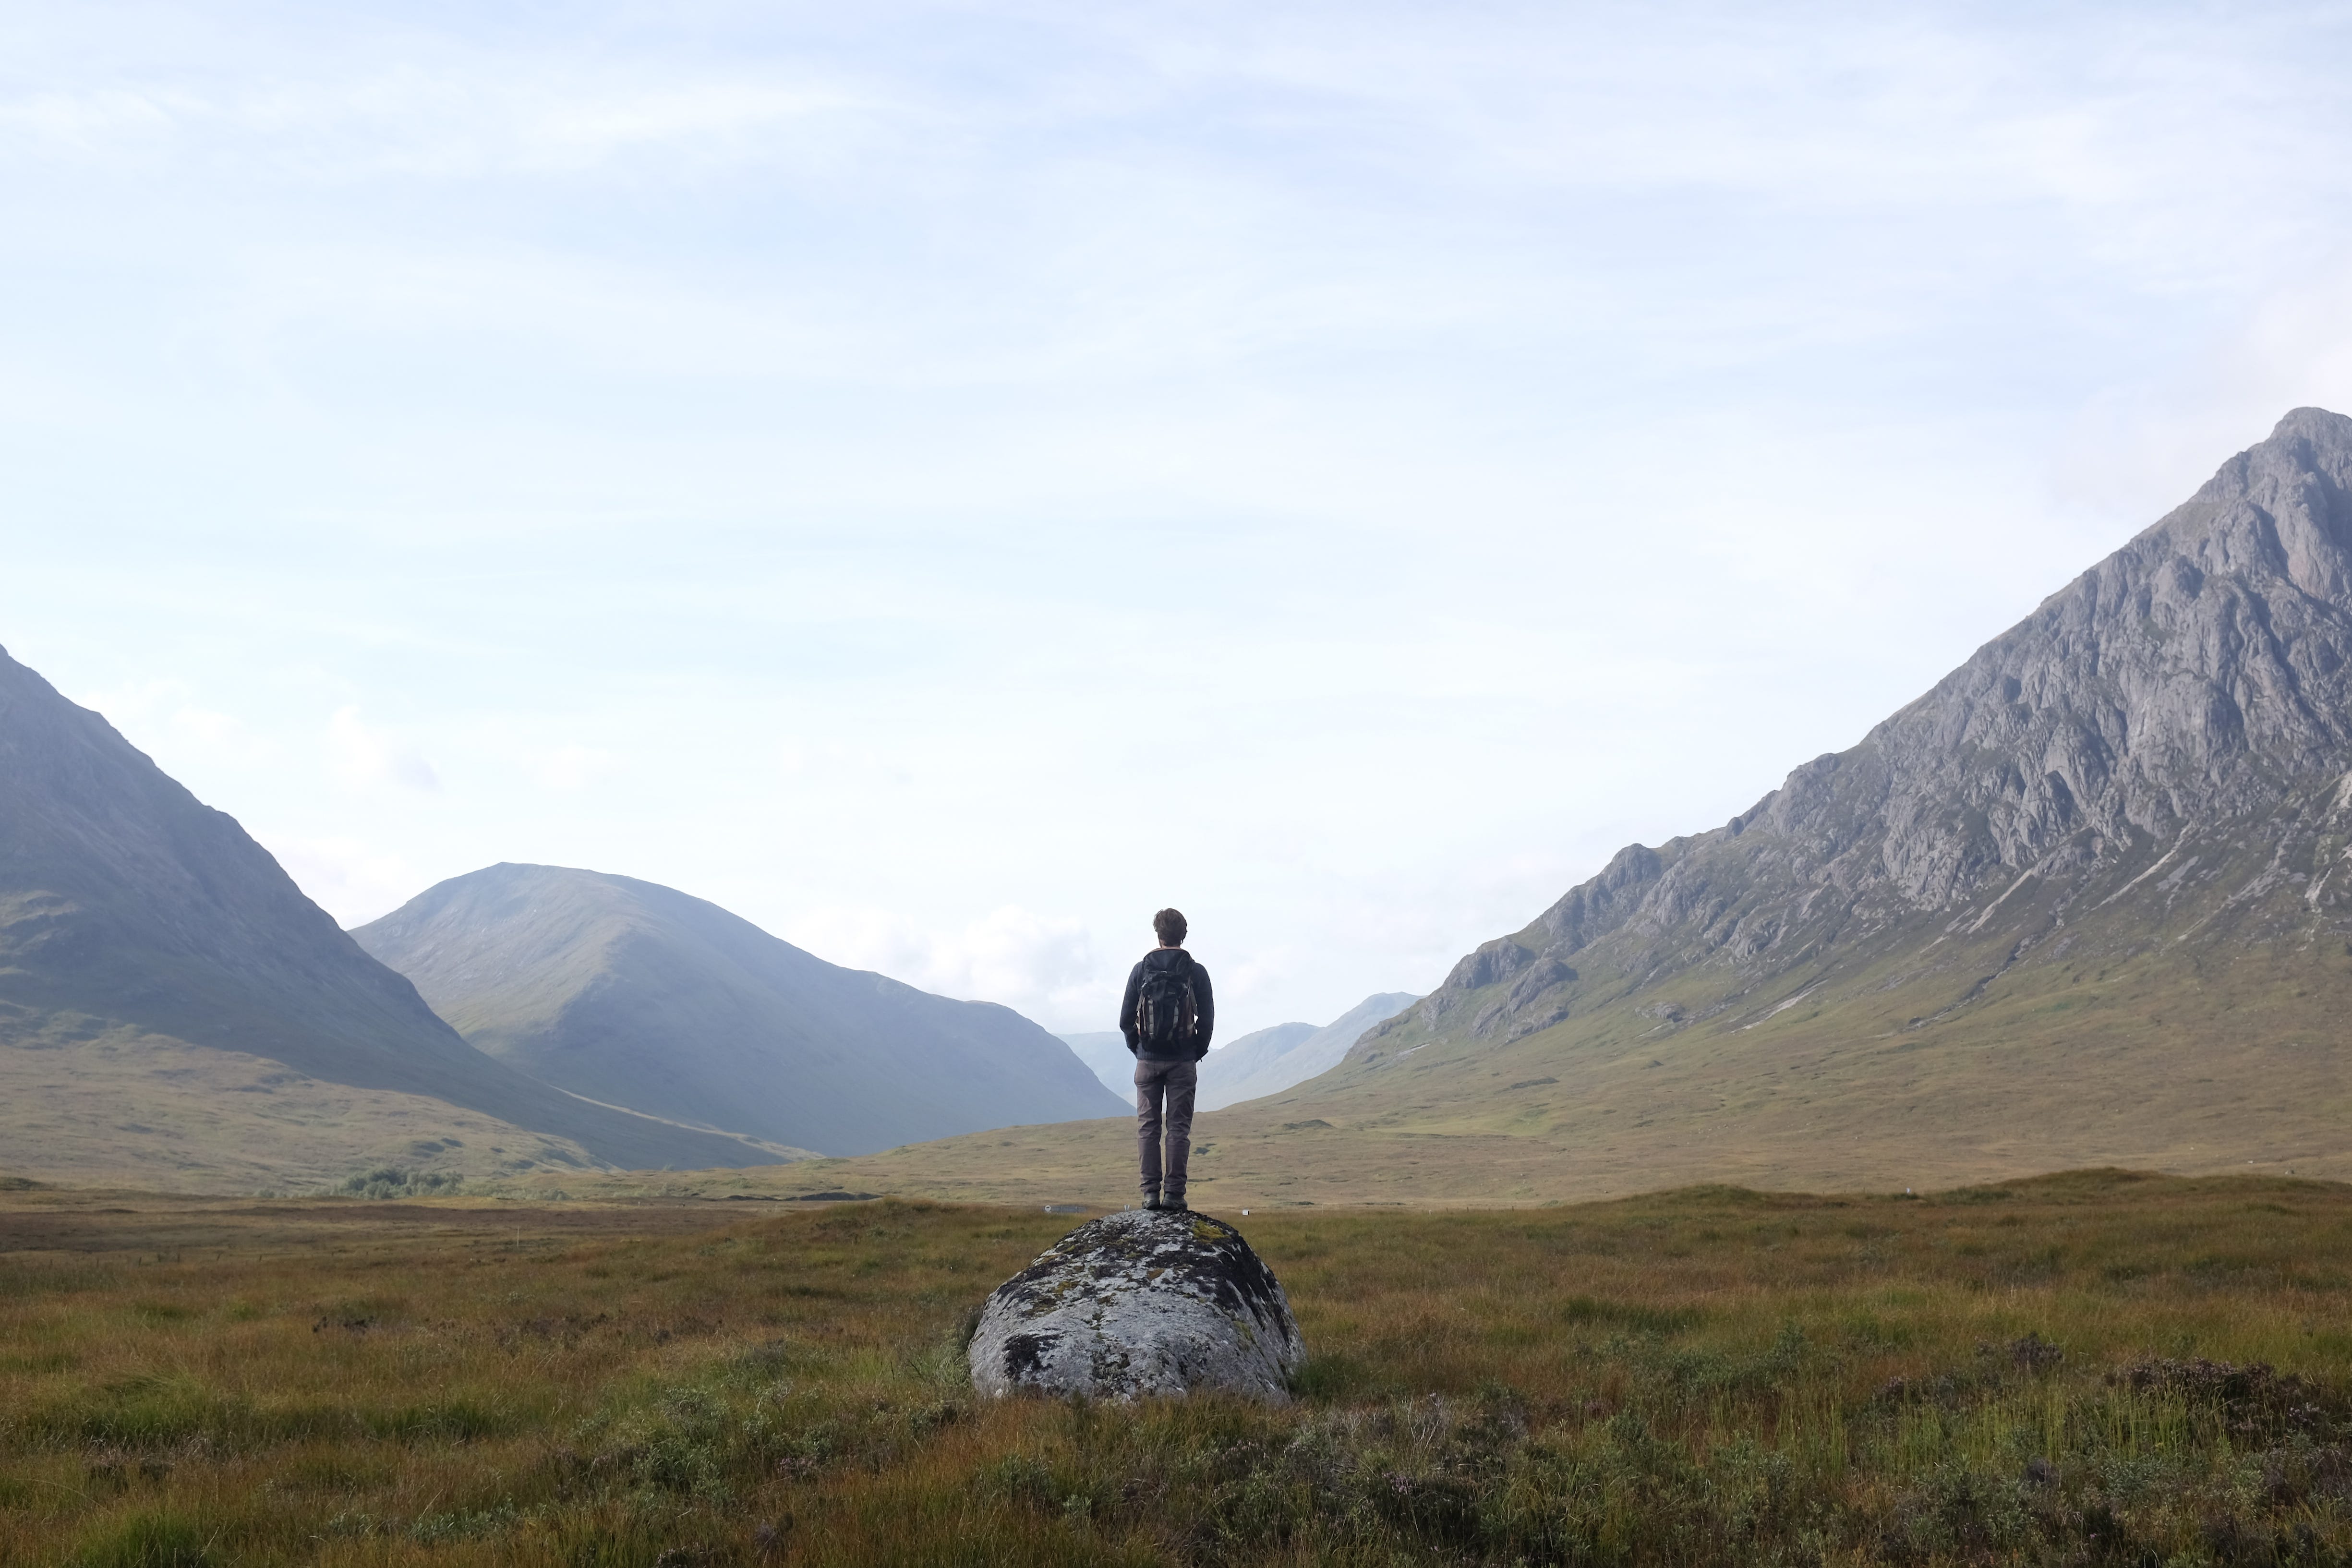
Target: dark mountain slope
{"type": "Point", "coordinates": [638, 994]}
{"type": "Point", "coordinates": [128, 907]}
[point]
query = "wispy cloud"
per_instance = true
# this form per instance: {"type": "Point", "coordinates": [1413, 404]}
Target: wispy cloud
{"type": "Point", "coordinates": [361, 754]}
{"type": "Point", "coordinates": [575, 767]}
{"type": "Point", "coordinates": [448, 113]}
{"type": "Point", "coordinates": [1043, 966]}
{"type": "Point", "coordinates": [352, 880]}
{"type": "Point", "coordinates": [165, 714]}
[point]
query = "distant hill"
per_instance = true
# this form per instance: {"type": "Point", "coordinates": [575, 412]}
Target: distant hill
{"type": "Point", "coordinates": [634, 993]}
{"type": "Point", "coordinates": [1272, 1060]}
{"type": "Point", "coordinates": [1243, 1055]}
{"type": "Point", "coordinates": [1107, 1056]}
{"type": "Point", "coordinates": [1264, 1062]}
{"type": "Point", "coordinates": [175, 1012]}
{"type": "Point", "coordinates": [2085, 903]}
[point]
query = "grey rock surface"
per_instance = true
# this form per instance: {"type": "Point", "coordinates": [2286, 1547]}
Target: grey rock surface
{"type": "Point", "coordinates": [2165, 741]}
{"type": "Point", "coordinates": [1138, 1303]}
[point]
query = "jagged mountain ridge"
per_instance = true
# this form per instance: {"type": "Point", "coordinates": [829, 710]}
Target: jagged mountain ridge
{"type": "Point", "coordinates": [2202, 676]}
{"type": "Point", "coordinates": [637, 995]}
{"type": "Point", "coordinates": [149, 946]}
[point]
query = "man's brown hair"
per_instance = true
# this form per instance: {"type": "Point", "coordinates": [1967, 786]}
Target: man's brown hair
{"type": "Point", "coordinates": [1170, 924]}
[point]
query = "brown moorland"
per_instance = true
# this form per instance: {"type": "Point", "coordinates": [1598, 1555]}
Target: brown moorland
{"type": "Point", "coordinates": [2096, 1367]}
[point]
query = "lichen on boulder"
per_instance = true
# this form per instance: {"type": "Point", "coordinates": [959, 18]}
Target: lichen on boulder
{"type": "Point", "coordinates": [1141, 1302]}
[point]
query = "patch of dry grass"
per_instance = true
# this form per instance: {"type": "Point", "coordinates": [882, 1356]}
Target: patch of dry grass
{"type": "Point", "coordinates": [2005, 1374]}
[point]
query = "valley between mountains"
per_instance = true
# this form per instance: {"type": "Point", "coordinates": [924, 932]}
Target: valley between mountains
{"type": "Point", "coordinates": [2082, 904]}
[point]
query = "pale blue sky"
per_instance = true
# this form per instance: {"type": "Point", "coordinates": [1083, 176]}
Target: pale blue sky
{"type": "Point", "coordinates": [944, 480]}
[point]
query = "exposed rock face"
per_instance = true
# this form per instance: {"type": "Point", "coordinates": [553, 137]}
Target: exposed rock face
{"type": "Point", "coordinates": [1141, 1302]}
{"type": "Point", "coordinates": [2184, 705]}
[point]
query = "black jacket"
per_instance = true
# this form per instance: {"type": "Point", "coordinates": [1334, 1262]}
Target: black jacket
{"type": "Point", "coordinates": [1204, 1005]}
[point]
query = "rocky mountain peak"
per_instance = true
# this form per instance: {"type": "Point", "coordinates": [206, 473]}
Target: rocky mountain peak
{"type": "Point", "coordinates": [2199, 678]}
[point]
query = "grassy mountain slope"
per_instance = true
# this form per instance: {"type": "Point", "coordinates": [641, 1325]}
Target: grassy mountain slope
{"type": "Point", "coordinates": [100, 1105]}
{"type": "Point", "coordinates": [129, 910]}
{"type": "Point", "coordinates": [637, 995]}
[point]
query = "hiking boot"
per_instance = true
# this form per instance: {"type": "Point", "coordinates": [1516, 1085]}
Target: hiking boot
{"type": "Point", "coordinates": [1174, 1205]}
{"type": "Point", "coordinates": [1151, 1200]}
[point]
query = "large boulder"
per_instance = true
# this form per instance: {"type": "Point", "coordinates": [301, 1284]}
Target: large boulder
{"type": "Point", "coordinates": [1141, 1302]}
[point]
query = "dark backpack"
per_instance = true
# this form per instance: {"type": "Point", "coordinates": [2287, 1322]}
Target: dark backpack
{"type": "Point", "coordinates": [1165, 1015]}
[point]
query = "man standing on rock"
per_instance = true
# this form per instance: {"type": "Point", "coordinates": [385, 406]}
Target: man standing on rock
{"type": "Point", "coordinates": [1166, 1015]}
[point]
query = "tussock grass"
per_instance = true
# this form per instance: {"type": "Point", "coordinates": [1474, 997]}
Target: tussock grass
{"type": "Point", "coordinates": [2087, 1369]}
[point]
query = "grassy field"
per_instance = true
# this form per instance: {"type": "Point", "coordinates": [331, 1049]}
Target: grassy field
{"type": "Point", "coordinates": [2091, 1368]}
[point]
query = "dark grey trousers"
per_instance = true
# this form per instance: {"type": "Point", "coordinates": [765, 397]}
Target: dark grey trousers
{"type": "Point", "coordinates": [1173, 1082]}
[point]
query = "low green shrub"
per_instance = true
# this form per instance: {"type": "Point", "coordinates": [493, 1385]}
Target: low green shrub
{"type": "Point", "coordinates": [148, 1540]}
{"type": "Point", "coordinates": [396, 1182]}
